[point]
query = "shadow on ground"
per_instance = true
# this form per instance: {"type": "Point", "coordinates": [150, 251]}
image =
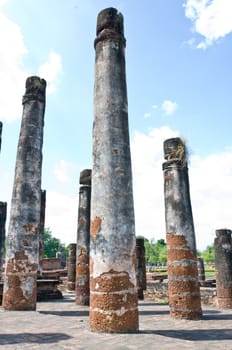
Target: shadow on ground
{"type": "Point", "coordinates": [153, 312]}
{"type": "Point", "coordinates": [195, 334]}
{"type": "Point", "coordinates": [66, 313]}
{"type": "Point", "coordinates": [39, 338]}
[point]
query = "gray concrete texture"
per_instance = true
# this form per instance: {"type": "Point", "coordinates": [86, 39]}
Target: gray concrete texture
{"type": "Point", "coordinates": [63, 325]}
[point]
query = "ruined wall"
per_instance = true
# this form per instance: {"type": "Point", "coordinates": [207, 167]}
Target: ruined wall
{"type": "Point", "coordinates": [51, 264]}
{"type": "Point", "coordinates": [24, 224]}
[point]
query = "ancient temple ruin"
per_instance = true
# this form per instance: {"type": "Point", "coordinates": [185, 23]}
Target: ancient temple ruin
{"type": "Point", "coordinates": [24, 225]}
{"type": "Point", "coordinates": [113, 291]}
{"type": "Point", "coordinates": [183, 285]}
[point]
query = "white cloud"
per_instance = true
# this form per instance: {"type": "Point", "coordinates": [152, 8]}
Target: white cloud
{"type": "Point", "coordinates": [13, 73]}
{"type": "Point", "coordinates": [210, 188]}
{"type": "Point", "coordinates": [51, 70]}
{"type": "Point", "coordinates": [211, 18]}
{"type": "Point", "coordinates": [147, 158]}
{"type": "Point", "coordinates": [169, 107]}
{"type": "Point", "coordinates": [147, 115]}
{"type": "Point", "coordinates": [3, 2]}
{"type": "Point", "coordinates": [65, 171]}
{"type": "Point", "coordinates": [61, 216]}
{"type": "Point", "coordinates": [61, 170]}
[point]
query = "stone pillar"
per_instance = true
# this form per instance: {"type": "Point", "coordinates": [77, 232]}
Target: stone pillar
{"type": "Point", "coordinates": [24, 226]}
{"type": "Point", "coordinates": [72, 266]}
{"type": "Point", "coordinates": [0, 135]}
{"type": "Point", "coordinates": [201, 270]}
{"type": "Point", "coordinates": [83, 237]}
{"type": "Point", "coordinates": [183, 285]}
{"type": "Point", "coordinates": [223, 267]}
{"type": "Point", "coordinates": [3, 211]}
{"type": "Point", "coordinates": [41, 233]}
{"type": "Point", "coordinates": [113, 291]}
{"type": "Point", "coordinates": [141, 265]}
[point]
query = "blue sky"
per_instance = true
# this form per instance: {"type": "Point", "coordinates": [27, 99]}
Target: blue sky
{"type": "Point", "coordinates": [178, 64]}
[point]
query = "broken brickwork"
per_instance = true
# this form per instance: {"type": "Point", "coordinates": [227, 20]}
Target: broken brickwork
{"type": "Point", "coordinates": [183, 285]}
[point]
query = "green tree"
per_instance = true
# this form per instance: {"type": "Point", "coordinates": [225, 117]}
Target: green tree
{"type": "Point", "coordinates": [155, 251]}
{"type": "Point", "coordinates": [52, 245]}
{"type": "Point", "coordinates": [208, 254]}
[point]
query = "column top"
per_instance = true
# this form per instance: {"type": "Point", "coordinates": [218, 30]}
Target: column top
{"type": "Point", "coordinates": [110, 26]}
{"type": "Point", "coordinates": [35, 89]}
{"type": "Point", "coordinates": [175, 149]}
{"type": "Point", "coordinates": [85, 177]}
{"type": "Point", "coordinates": [223, 231]}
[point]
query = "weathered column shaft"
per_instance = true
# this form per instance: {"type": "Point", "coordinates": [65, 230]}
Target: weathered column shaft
{"type": "Point", "coordinates": [42, 223]}
{"type": "Point", "coordinates": [223, 267]}
{"type": "Point", "coordinates": [183, 285]}
{"type": "Point", "coordinates": [24, 225]}
{"type": "Point", "coordinates": [72, 266]}
{"type": "Point", "coordinates": [141, 266]}
{"type": "Point", "coordinates": [178, 209]}
{"type": "Point", "coordinates": [201, 269]}
{"type": "Point", "coordinates": [83, 238]}
{"type": "Point", "coordinates": [113, 291]}
{"type": "Point", "coordinates": [3, 212]}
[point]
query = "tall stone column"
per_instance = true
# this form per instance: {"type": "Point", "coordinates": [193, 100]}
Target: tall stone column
{"type": "Point", "coordinates": [141, 265]}
{"type": "Point", "coordinates": [201, 269]}
{"type": "Point", "coordinates": [24, 226]}
{"type": "Point", "coordinates": [3, 212]}
{"type": "Point", "coordinates": [113, 291]}
{"type": "Point", "coordinates": [41, 234]}
{"type": "Point", "coordinates": [183, 285]}
{"type": "Point", "coordinates": [83, 238]}
{"type": "Point", "coordinates": [71, 266]}
{"type": "Point", "coordinates": [223, 267]}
